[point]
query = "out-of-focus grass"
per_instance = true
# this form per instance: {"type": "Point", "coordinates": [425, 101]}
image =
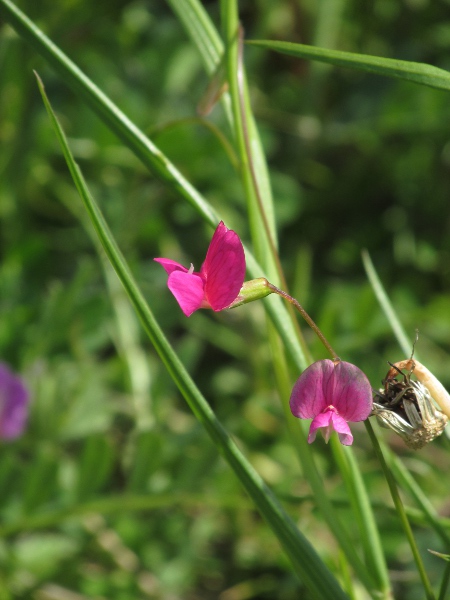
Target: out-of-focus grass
{"type": "Point", "coordinates": [356, 161]}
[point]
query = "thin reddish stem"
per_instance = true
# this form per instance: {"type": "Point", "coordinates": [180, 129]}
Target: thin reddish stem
{"type": "Point", "coordinates": [302, 311]}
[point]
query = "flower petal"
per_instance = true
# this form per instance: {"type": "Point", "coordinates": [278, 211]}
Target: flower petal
{"type": "Point", "coordinates": [351, 392]}
{"type": "Point", "coordinates": [188, 289]}
{"type": "Point", "coordinates": [224, 268]}
{"type": "Point", "coordinates": [328, 422]}
{"type": "Point", "coordinates": [14, 399]}
{"type": "Point", "coordinates": [170, 265]}
{"type": "Point", "coordinates": [308, 398]}
{"type": "Point", "coordinates": [325, 383]}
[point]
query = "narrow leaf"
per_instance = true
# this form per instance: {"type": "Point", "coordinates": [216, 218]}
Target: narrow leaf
{"type": "Point", "coordinates": [390, 67]}
{"type": "Point", "coordinates": [386, 304]}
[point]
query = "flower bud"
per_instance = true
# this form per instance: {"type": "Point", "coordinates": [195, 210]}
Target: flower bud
{"type": "Point", "coordinates": [255, 289]}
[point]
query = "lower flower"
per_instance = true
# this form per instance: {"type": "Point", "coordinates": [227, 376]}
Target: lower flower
{"type": "Point", "coordinates": [332, 394]}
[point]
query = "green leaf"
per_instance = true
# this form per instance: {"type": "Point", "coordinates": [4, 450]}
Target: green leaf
{"type": "Point", "coordinates": [305, 560]}
{"type": "Point", "coordinates": [390, 67]}
{"type": "Point", "coordinates": [386, 304]}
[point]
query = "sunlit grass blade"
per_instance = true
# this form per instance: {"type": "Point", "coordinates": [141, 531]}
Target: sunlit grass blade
{"type": "Point", "coordinates": [201, 31]}
{"type": "Point", "coordinates": [265, 248]}
{"type": "Point", "coordinates": [257, 189]}
{"type": "Point", "coordinates": [205, 37]}
{"type": "Point", "coordinates": [414, 490]}
{"type": "Point", "coordinates": [386, 305]}
{"type": "Point", "coordinates": [401, 512]}
{"type": "Point", "coordinates": [305, 560]}
{"type": "Point", "coordinates": [389, 67]}
{"type": "Point", "coordinates": [363, 515]}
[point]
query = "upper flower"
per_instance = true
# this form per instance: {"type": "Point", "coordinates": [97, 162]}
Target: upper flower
{"type": "Point", "coordinates": [332, 394]}
{"type": "Point", "coordinates": [220, 278]}
{"type": "Point", "coordinates": [14, 399]}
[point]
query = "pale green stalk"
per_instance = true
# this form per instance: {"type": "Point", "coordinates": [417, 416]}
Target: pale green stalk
{"type": "Point", "coordinates": [401, 512]}
{"type": "Point", "coordinates": [363, 515]}
{"type": "Point", "coordinates": [259, 201]}
{"type": "Point", "coordinates": [204, 35]}
{"type": "Point", "coordinates": [408, 483]}
{"type": "Point", "coordinates": [386, 305]}
{"type": "Point", "coordinates": [261, 236]}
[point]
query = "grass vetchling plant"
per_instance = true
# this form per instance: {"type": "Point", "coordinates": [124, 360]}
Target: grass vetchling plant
{"type": "Point", "coordinates": [148, 454]}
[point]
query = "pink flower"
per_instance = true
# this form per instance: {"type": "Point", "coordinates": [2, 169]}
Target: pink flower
{"type": "Point", "coordinates": [14, 399]}
{"type": "Point", "coordinates": [220, 278]}
{"type": "Point", "coordinates": [332, 394]}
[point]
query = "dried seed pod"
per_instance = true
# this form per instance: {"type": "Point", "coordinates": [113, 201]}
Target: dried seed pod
{"type": "Point", "coordinates": [407, 407]}
{"type": "Point", "coordinates": [426, 378]}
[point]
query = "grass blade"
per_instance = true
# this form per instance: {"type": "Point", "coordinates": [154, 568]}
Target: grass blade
{"type": "Point", "coordinates": [385, 303]}
{"type": "Point", "coordinates": [305, 560]}
{"type": "Point", "coordinates": [400, 69]}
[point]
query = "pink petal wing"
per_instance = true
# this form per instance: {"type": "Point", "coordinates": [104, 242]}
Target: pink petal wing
{"type": "Point", "coordinates": [350, 392]}
{"type": "Point", "coordinates": [188, 289]}
{"type": "Point", "coordinates": [328, 422]}
{"type": "Point", "coordinates": [308, 398]}
{"type": "Point", "coordinates": [341, 427]}
{"type": "Point", "coordinates": [323, 422]}
{"type": "Point", "coordinates": [170, 265]}
{"type": "Point", "coordinates": [224, 268]}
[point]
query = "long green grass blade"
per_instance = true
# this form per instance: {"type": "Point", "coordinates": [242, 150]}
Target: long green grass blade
{"type": "Point", "coordinates": [203, 34]}
{"type": "Point", "coordinates": [428, 590]}
{"type": "Point", "coordinates": [363, 515]}
{"type": "Point", "coordinates": [386, 305]}
{"type": "Point", "coordinates": [257, 190]}
{"type": "Point", "coordinates": [201, 31]}
{"type": "Point", "coordinates": [390, 67]}
{"type": "Point", "coordinates": [305, 560]}
{"type": "Point", "coordinates": [408, 483]}
{"type": "Point", "coordinates": [374, 578]}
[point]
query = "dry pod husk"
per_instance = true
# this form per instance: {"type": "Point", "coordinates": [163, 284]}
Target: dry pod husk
{"type": "Point", "coordinates": [407, 406]}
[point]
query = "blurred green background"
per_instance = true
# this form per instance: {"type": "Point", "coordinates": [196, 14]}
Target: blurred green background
{"type": "Point", "coordinates": [115, 491]}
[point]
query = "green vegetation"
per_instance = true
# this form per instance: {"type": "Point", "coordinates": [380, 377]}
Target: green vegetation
{"type": "Point", "coordinates": [120, 489]}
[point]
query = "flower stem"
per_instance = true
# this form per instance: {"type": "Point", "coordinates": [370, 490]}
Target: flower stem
{"type": "Point", "coordinates": [400, 511]}
{"type": "Point", "coordinates": [302, 311]}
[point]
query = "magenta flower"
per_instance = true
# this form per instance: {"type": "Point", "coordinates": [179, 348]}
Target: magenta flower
{"type": "Point", "coordinates": [220, 278]}
{"type": "Point", "coordinates": [332, 394]}
{"type": "Point", "coordinates": [14, 399]}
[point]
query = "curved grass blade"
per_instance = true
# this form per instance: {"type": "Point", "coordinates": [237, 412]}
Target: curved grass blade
{"type": "Point", "coordinates": [364, 516]}
{"type": "Point", "coordinates": [205, 37]}
{"type": "Point", "coordinates": [390, 67]}
{"type": "Point", "coordinates": [428, 590]}
{"type": "Point", "coordinates": [307, 564]}
{"type": "Point", "coordinates": [409, 485]}
{"type": "Point", "coordinates": [385, 303]}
